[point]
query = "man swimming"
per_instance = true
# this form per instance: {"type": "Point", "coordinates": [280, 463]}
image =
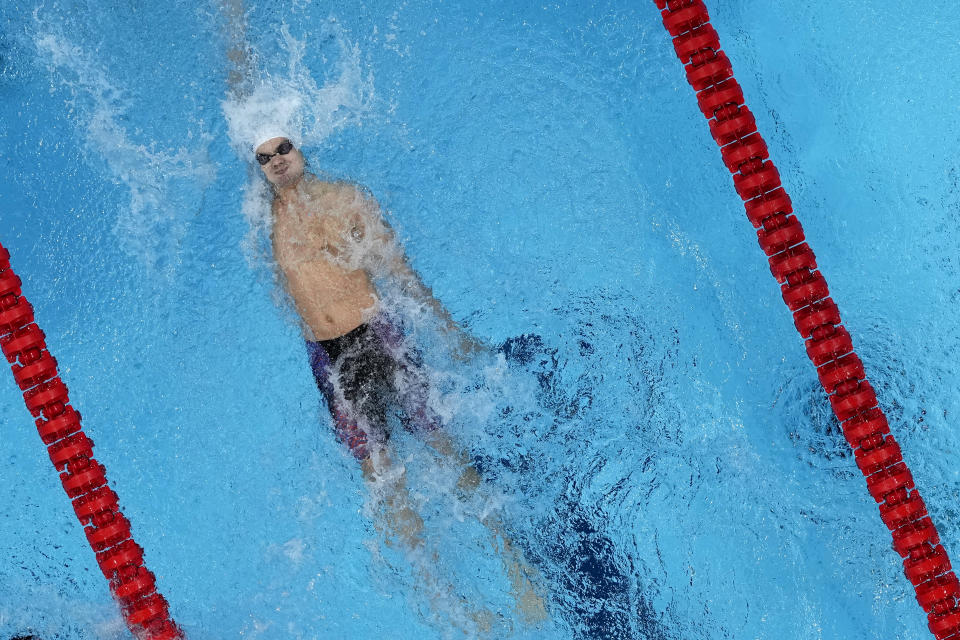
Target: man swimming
{"type": "Point", "coordinates": [329, 241]}
{"type": "Point", "coordinates": [331, 244]}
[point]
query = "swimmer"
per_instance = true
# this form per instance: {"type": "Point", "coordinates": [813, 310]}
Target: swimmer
{"type": "Point", "coordinates": [331, 243]}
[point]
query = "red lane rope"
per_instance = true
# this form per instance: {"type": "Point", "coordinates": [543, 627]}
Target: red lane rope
{"type": "Point", "coordinates": [96, 505]}
{"type": "Point", "coordinates": [815, 315]}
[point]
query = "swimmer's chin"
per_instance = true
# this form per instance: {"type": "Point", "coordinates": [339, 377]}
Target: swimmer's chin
{"type": "Point", "coordinates": [285, 180]}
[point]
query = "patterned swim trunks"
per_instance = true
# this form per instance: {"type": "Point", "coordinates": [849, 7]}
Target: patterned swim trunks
{"type": "Point", "coordinates": [366, 375]}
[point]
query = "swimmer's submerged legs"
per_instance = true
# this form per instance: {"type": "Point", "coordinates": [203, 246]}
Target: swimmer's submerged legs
{"type": "Point", "coordinates": [372, 366]}
{"type": "Point", "coordinates": [357, 405]}
{"type": "Point", "coordinates": [396, 518]}
{"type": "Point", "coordinates": [530, 604]}
{"type": "Point", "coordinates": [413, 393]}
{"type": "Point", "coordinates": [355, 374]}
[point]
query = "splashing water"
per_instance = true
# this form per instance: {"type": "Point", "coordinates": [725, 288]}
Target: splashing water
{"type": "Point", "coordinates": [164, 187]}
{"type": "Point", "coordinates": [293, 101]}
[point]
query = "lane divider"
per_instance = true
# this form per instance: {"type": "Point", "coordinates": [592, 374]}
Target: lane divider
{"type": "Point", "coordinates": [816, 317]}
{"type": "Point", "coordinates": [84, 479]}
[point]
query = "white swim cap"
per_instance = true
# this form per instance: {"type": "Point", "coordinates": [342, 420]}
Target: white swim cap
{"type": "Point", "coordinates": [277, 133]}
{"type": "Point", "coordinates": [269, 112]}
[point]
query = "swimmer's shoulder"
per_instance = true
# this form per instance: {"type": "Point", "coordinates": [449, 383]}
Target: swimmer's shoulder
{"type": "Point", "coordinates": [343, 195]}
{"type": "Point", "coordinates": [318, 186]}
{"type": "Point", "coordinates": [343, 188]}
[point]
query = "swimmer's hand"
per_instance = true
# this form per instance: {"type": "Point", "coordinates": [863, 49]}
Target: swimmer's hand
{"type": "Point", "coordinates": [468, 346]}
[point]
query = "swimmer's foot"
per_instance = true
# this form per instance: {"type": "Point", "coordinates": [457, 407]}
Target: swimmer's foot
{"type": "Point", "coordinates": [476, 622]}
{"type": "Point", "coordinates": [484, 619]}
{"type": "Point", "coordinates": [530, 605]}
{"type": "Point", "coordinates": [489, 624]}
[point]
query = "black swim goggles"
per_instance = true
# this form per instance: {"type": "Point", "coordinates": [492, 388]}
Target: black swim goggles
{"type": "Point", "coordinates": [285, 147]}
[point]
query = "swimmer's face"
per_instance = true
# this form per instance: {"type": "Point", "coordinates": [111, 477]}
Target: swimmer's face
{"type": "Point", "coordinates": [282, 170]}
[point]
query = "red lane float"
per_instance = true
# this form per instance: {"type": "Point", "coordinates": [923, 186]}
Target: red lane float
{"type": "Point", "coordinates": [805, 292]}
{"type": "Point", "coordinates": [84, 479]}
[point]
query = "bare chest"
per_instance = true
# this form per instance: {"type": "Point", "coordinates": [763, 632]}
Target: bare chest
{"type": "Point", "coordinates": [315, 237]}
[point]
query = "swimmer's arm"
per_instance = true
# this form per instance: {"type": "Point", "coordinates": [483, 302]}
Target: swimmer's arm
{"type": "Point", "coordinates": [240, 73]}
{"type": "Point", "coordinates": [366, 217]}
{"type": "Point", "coordinates": [369, 218]}
{"type": "Point", "coordinates": [420, 292]}
{"type": "Point", "coordinates": [400, 268]}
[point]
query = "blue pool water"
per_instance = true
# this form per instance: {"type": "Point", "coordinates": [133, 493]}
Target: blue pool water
{"type": "Point", "coordinates": [650, 430]}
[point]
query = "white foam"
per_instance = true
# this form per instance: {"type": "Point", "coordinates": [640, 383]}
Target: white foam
{"type": "Point", "coordinates": [162, 184]}
{"type": "Point", "coordinates": [293, 103]}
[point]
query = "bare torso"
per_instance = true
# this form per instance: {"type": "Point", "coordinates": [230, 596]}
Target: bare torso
{"type": "Point", "coordinates": [318, 242]}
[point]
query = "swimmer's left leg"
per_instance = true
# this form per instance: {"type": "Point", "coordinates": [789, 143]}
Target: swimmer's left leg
{"type": "Point", "coordinates": [412, 389]}
{"type": "Point", "coordinates": [399, 521]}
{"type": "Point", "coordinates": [530, 604]}
{"type": "Point", "coordinates": [403, 528]}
